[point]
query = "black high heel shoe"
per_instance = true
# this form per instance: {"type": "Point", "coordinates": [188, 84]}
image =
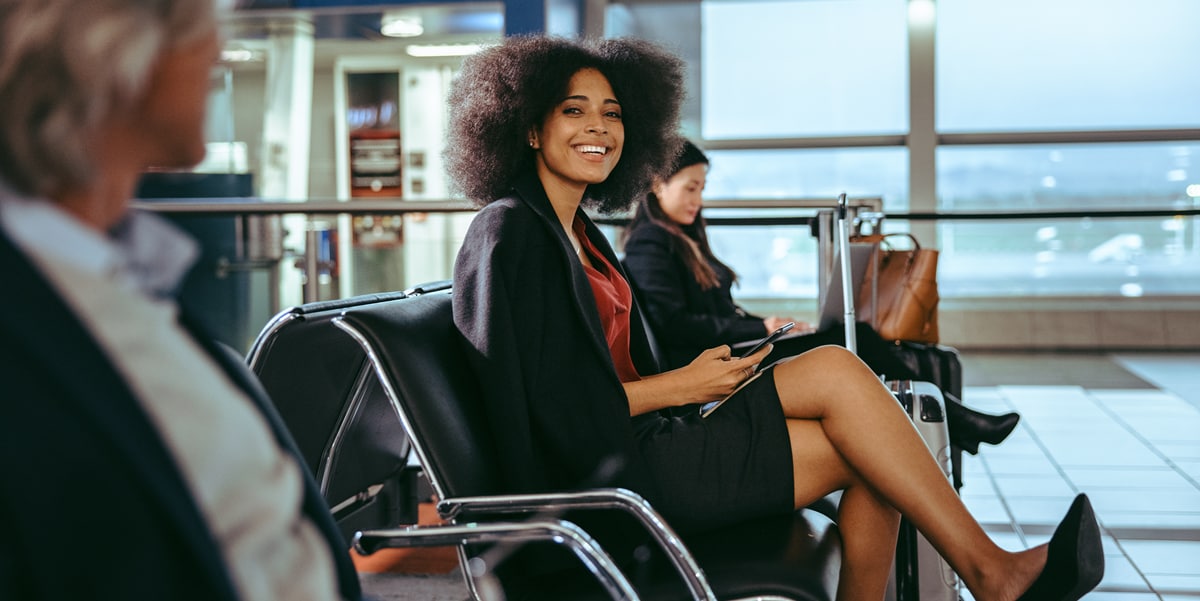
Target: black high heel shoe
{"type": "Point", "coordinates": [968, 428]}
{"type": "Point", "coordinates": [1075, 559]}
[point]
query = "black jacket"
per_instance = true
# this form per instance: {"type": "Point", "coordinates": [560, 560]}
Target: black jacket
{"type": "Point", "coordinates": [686, 319]}
{"type": "Point", "coordinates": [534, 337]}
{"type": "Point", "coordinates": [85, 468]}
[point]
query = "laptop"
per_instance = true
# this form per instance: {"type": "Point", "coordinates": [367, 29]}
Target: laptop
{"type": "Point", "coordinates": [832, 311]}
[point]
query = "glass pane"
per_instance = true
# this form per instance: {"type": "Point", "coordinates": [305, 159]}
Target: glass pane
{"type": "Point", "coordinates": [1067, 176]}
{"type": "Point", "coordinates": [1080, 257]}
{"type": "Point", "coordinates": [790, 69]}
{"type": "Point", "coordinates": [864, 172]}
{"type": "Point", "coordinates": [771, 261]}
{"type": "Point", "coordinates": [1006, 65]}
{"type": "Point", "coordinates": [1092, 257]}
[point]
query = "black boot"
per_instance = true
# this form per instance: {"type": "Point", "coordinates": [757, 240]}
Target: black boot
{"type": "Point", "coordinates": [968, 427]}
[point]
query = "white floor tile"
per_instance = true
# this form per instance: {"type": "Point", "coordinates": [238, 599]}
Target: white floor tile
{"type": "Point", "coordinates": [1175, 583]}
{"type": "Point", "coordinates": [1165, 557]}
{"type": "Point", "coordinates": [1113, 596]}
{"type": "Point", "coordinates": [1120, 574]}
{"type": "Point", "coordinates": [1099, 477]}
{"type": "Point", "coordinates": [1111, 501]}
{"type": "Point", "coordinates": [1033, 486]}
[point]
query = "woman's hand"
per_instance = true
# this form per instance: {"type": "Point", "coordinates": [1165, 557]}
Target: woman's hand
{"type": "Point", "coordinates": [715, 373]}
{"type": "Point", "coordinates": [710, 377]}
{"type": "Point", "coordinates": [774, 323]}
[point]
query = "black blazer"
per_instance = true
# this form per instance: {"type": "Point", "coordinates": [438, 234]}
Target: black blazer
{"type": "Point", "coordinates": [686, 319]}
{"type": "Point", "coordinates": [85, 470]}
{"type": "Point", "coordinates": [523, 303]}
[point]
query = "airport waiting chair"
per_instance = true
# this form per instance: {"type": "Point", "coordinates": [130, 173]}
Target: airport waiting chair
{"type": "Point", "coordinates": [419, 358]}
{"type": "Point", "coordinates": [330, 400]}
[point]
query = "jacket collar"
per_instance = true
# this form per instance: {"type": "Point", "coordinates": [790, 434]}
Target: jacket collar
{"type": "Point", "coordinates": [529, 189]}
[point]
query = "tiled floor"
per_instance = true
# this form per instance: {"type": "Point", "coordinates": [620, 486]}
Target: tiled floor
{"type": "Point", "coordinates": [1127, 432]}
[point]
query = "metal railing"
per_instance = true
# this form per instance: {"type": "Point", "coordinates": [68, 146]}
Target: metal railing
{"type": "Point", "coordinates": [812, 212]}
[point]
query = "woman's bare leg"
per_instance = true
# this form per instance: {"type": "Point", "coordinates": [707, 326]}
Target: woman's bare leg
{"type": "Point", "coordinates": [867, 427]}
{"type": "Point", "coordinates": [867, 524]}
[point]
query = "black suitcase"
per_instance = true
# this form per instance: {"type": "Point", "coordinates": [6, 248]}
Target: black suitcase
{"type": "Point", "coordinates": [935, 363]}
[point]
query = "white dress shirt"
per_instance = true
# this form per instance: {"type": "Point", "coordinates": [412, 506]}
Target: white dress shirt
{"type": "Point", "coordinates": [249, 490]}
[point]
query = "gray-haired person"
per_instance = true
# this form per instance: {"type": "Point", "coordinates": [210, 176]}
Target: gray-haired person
{"type": "Point", "coordinates": [138, 461]}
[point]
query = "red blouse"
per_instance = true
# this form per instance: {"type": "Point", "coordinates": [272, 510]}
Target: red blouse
{"type": "Point", "coordinates": [613, 299]}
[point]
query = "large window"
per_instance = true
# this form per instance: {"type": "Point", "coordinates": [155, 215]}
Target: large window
{"type": "Point", "coordinates": [758, 81]}
{"type": "Point", "coordinates": [1067, 66]}
{"type": "Point", "coordinates": [787, 69]}
{"type": "Point", "coordinates": [1035, 105]}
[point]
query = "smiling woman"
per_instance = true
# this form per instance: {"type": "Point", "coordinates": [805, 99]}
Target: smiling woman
{"type": "Point", "coordinates": [570, 388]}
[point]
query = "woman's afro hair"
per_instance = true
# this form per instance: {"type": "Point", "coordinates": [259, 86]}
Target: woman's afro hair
{"type": "Point", "coordinates": [507, 90]}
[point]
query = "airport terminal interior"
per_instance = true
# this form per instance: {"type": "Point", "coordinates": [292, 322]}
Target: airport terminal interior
{"type": "Point", "coordinates": [1044, 147]}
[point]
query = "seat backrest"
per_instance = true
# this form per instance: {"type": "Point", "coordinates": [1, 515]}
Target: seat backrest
{"type": "Point", "coordinates": [421, 357]}
{"type": "Point", "coordinates": [313, 373]}
{"type": "Point", "coordinates": [651, 337]}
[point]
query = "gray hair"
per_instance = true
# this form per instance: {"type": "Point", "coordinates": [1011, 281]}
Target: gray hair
{"type": "Point", "coordinates": [67, 64]}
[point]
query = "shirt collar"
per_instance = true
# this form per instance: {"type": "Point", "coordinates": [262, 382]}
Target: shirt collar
{"type": "Point", "coordinates": [145, 250]}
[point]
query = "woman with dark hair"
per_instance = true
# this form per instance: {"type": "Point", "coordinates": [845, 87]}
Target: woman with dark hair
{"type": "Point", "coordinates": [541, 128]}
{"type": "Point", "coordinates": [686, 292]}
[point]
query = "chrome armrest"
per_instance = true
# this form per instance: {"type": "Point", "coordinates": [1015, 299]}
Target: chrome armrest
{"type": "Point", "coordinates": [595, 558]}
{"type": "Point", "coordinates": [599, 498]}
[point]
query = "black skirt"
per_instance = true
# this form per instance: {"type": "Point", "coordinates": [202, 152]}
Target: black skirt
{"type": "Point", "coordinates": [733, 465]}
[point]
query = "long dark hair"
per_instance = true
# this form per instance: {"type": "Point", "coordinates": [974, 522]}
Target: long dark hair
{"type": "Point", "coordinates": [689, 241]}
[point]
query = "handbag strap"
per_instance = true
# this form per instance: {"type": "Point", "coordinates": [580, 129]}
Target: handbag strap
{"type": "Point", "coordinates": [886, 240]}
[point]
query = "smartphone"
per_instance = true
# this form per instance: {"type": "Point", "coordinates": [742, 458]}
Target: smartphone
{"type": "Point", "coordinates": [783, 329]}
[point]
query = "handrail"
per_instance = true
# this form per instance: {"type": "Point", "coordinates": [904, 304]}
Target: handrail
{"type": "Point", "coordinates": [374, 207]}
{"type": "Point", "coordinates": [1052, 214]}
{"type": "Point", "coordinates": [233, 206]}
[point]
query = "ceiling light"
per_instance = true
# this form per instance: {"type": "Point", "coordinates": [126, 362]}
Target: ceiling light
{"type": "Point", "coordinates": [438, 50]}
{"type": "Point", "coordinates": [401, 26]}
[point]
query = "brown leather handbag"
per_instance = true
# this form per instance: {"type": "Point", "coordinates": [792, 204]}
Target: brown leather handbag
{"type": "Point", "coordinates": [899, 297]}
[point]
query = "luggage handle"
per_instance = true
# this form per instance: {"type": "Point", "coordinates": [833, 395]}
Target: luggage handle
{"type": "Point", "coordinates": [848, 319]}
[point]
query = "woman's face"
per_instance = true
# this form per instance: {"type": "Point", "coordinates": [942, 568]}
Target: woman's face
{"type": "Point", "coordinates": [679, 196]}
{"type": "Point", "coordinates": [580, 141]}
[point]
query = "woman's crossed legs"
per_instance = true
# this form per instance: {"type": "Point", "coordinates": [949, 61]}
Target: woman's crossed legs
{"type": "Point", "coordinates": [849, 433]}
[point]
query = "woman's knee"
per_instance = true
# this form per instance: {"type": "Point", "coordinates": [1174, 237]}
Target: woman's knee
{"type": "Point", "coordinates": [830, 361]}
